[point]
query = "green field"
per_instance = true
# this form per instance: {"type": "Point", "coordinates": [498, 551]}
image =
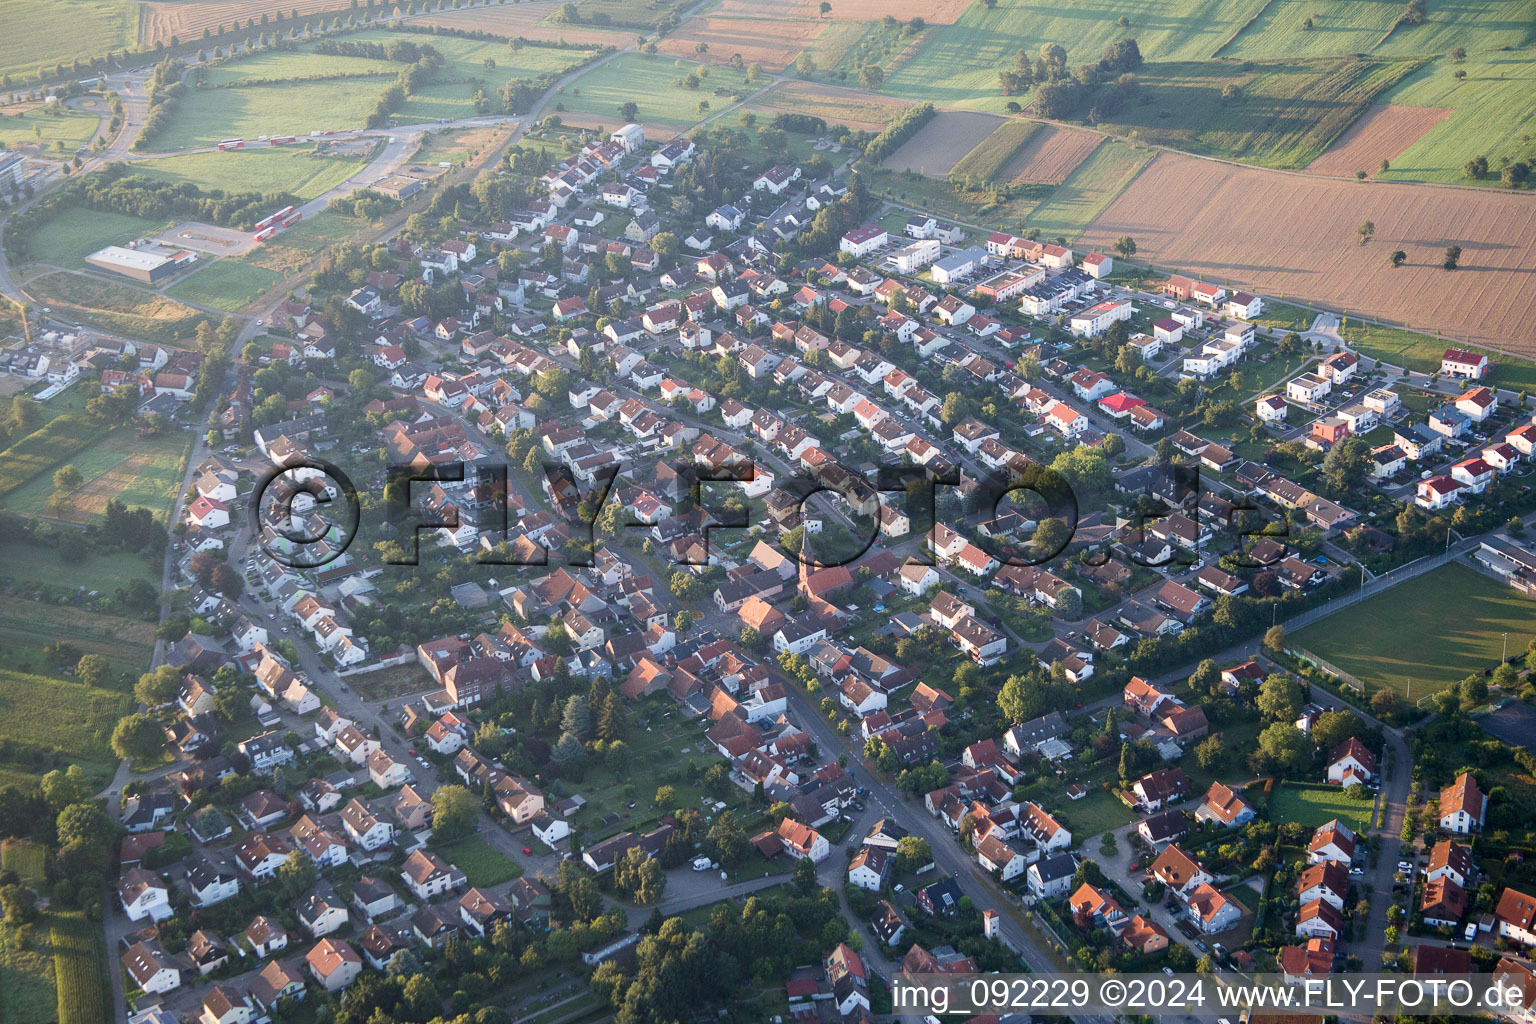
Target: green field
{"type": "Point", "coordinates": [67, 238]}
{"type": "Point", "coordinates": [26, 977]}
{"type": "Point", "coordinates": [46, 447]}
{"type": "Point", "coordinates": [994, 151]}
{"type": "Point", "coordinates": [1289, 113]}
{"type": "Point", "coordinates": [296, 171]}
{"type": "Point", "coordinates": [1076, 202]}
{"type": "Point", "coordinates": [27, 563]}
{"type": "Point", "coordinates": [1339, 27]}
{"type": "Point", "coordinates": [288, 65]}
{"type": "Point", "coordinates": [843, 47]}
{"type": "Point", "coordinates": [28, 859]}
{"type": "Point", "coordinates": [227, 284]}
{"type": "Point", "coordinates": [1432, 631]}
{"type": "Point", "coordinates": [957, 65]}
{"type": "Point", "coordinates": [653, 83]}
{"type": "Point", "coordinates": [1314, 805]}
{"type": "Point", "coordinates": [26, 626]}
{"type": "Point", "coordinates": [80, 967]}
{"type": "Point", "coordinates": [43, 128]}
{"type": "Point", "coordinates": [116, 307]}
{"type": "Point", "coordinates": [48, 31]}
{"type": "Point", "coordinates": [280, 108]}
{"type": "Point", "coordinates": [52, 716]}
{"type": "Point", "coordinates": [140, 472]}
{"type": "Point", "coordinates": [1494, 116]}
{"type": "Point", "coordinates": [1421, 352]}
{"type": "Point", "coordinates": [481, 865]}
{"type": "Point", "coordinates": [293, 248]}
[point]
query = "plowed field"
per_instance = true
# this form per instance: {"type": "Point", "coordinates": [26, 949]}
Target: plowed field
{"type": "Point", "coordinates": [939, 144]}
{"type": "Point", "coordinates": [831, 104]}
{"type": "Point", "coordinates": [1290, 235]}
{"type": "Point", "coordinates": [1381, 134]}
{"type": "Point", "coordinates": [1050, 155]}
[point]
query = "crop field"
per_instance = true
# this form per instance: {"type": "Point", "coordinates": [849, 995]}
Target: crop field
{"type": "Point", "coordinates": [33, 33]}
{"type": "Point", "coordinates": [60, 715]}
{"type": "Point", "coordinates": [526, 20]}
{"type": "Point", "coordinates": [986, 161]}
{"type": "Point", "coordinates": [939, 144]}
{"type": "Point", "coordinates": [40, 129]}
{"type": "Point", "coordinates": [80, 968]}
{"type": "Point", "coordinates": [1493, 115]}
{"type": "Point", "coordinates": [655, 83]}
{"type": "Point", "coordinates": [140, 472]}
{"type": "Point", "coordinates": [1339, 28]}
{"type": "Point", "coordinates": [67, 238]}
{"type": "Point", "coordinates": [1050, 155]}
{"type": "Point", "coordinates": [116, 307]}
{"type": "Point", "coordinates": [1239, 224]}
{"type": "Point", "coordinates": [278, 108]}
{"type": "Point", "coordinates": [26, 971]}
{"type": "Point", "coordinates": [1290, 111]}
{"type": "Point", "coordinates": [1405, 633]}
{"type": "Point", "coordinates": [1072, 206]}
{"type": "Point", "coordinates": [186, 19]}
{"type": "Point", "coordinates": [1381, 134]}
{"type": "Point", "coordinates": [773, 43]}
{"type": "Point", "coordinates": [957, 64]}
{"type": "Point", "coordinates": [845, 46]}
{"type": "Point", "coordinates": [298, 171]}
{"type": "Point", "coordinates": [831, 104]}
{"type": "Point", "coordinates": [25, 625]}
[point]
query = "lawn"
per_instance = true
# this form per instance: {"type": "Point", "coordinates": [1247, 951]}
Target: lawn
{"type": "Point", "coordinates": [116, 307]}
{"type": "Point", "coordinates": [140, 472]}
{"type": "Point", "coordinates": [227, 284]}
{"type": "Point", "coordinates": [294, 248]}
{"type": "Point", "coordinates": [1290, 110]}
{"type": "Point", "coordinates": [45, 716]}
{"type": "Point", "coordinates": [1095, 813]}
{"type": "Point", "coordinates": [291, 65]}
{"type": "Point", "coordinates": [49, 31]}
{"type": "Point", "coordinates": [295, 170]}
{"type": "Point", "coordinates": [68, 237]}
{"type": "Point", "coordinates": [279, 108]}
{"type": "Point", "coordinates": [43, 128]}
{"type": "Point", "coordinates": [1076, 203]}
{"type": "Point", "coordinates": [957, 64]}
{"type": "Point", "coordinates": [1284, 316]}
{"type": "Point", "coordinates": [27, 563]}
{"type": "Point", "coordinates": [481, 865]}
{"type": "Point", "coordinates": [28, 859]}
{"type": "Point", "coordinates": [656, 84]}
{"type": "Point", "coordinates": [1494, 115]}
{"type": "Point", "coordinates": [1311, 805]}
{"type": "Point", "coordinates": [1421, 352]}
{"type": "Point", "coordinates": [1410, 635]}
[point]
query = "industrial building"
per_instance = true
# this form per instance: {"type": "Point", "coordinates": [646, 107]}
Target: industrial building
{"type": "Point", "coordinates": [150, 266]}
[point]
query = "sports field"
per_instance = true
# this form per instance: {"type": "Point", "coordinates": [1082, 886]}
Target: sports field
{"type": "Point", "coordinates": [297, 171]}
{"type": "Point", "coordinates": [35, 32]}
{"type": "Point", "coordinates": [657, 85]}
{"type": "Point", "coordinates": [1433, 630]}
{"type": "Point", "coordinates": [67, 238]}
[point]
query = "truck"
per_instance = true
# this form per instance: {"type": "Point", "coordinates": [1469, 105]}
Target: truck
{"type": "Point", "coordinates": [290, 221]}
{"type": "Point", "coordinates": [264, 234]}
{"type": "Point", "coordinates": [283, 140]}
{"type": "Point", "coordinates": [232, 144]}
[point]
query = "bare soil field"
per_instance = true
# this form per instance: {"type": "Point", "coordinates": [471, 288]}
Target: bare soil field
{"type": "Point", "coordinates": [771, 43]}
{"type": "Point", "coordinates": [1294, 236]}
{"type": "Point", "coordinates": [1050, 155]}
{"type": "Point", "coordinates": [832, 104]}
{"type": "Point", "coordinates": [934, 12]}
{"type": "Point", "coordinates": [186, 19]}
{"type": "Point", "coordinates": [523, 20]}
{"type": "Point", "coordinates": [1380, 134]}
{"type": "Point", "coordinates": [940, 143]}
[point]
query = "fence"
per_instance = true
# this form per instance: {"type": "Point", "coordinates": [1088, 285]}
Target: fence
{"type": "Point", "coordinates": [1303, 655]}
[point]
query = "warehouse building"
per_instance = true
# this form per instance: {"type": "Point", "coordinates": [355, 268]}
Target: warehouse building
{"type": "Point", "coordinates": [151, 266]}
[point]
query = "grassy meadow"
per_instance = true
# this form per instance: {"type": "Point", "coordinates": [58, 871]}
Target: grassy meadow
{"type": "Point", "coordinates": [41, 129]}
{"type": "Point", "coordinates": [45, 32]}
{"type": "Point", "coordinates": [228, 284]}
{"type": "Point", "coordinates": [1494, 115]}
{"type": "Point", "coordinates": [653, 83]}
{"type": "Point", "coordinates": [992, 153]}
{"type": "Point", "coordinates": [67, 238]}
{"type": "Point", "coordinates": [298, 171]}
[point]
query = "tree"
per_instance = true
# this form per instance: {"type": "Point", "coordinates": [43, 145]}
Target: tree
{"type": "Point", "coordinates": [19, 904]}
{"type": "Point", "coordinates": [871, 75]}
{"type": "Point", "coordinates": [1476, 168]}
{"type": "Point", "coordinates": [1398, 258]}
{"type": "Point", "coordinates": [1334, 727]}
{"type": "Point", "coordinates": [912, 852]}
{"type": "Point", "coordinates": [62, 788]}
{"type": "Point", "coordinates": [727, 838]}
{"type": "Point", "coordinates": [1346, 466]}
{"type": "Point", "coordinates": [1274, 638]}
{"type": "Point", "coordinates": [825, 8]}
{"type": "Point", "coordinates": [93, 670]}
{"type": "Point", "coordinates": [137, 738]}
{"type": "Point", "coordinates": [577, 719]}
{"type": "Point", "coordinates": [1125, 246]}
{"type": "Point", "coordinates": [296, 874]}
{"type": "Point", "coordinates": [1366, 230]}
{"type": "Point", "coordinates": [1015, 702]}
{"type": "Point", "coordinates": [1211, 754]}
{"type": "Point", "coordinates": [666, 797]}
{"type": "Point", "coordinates": [85, 824]}
{"type": "Point", "coordinates": [157, 687]}
{"type": "Point", "coordinates": [1283, 749]}
{"type": "Point", "coordinates": [1386, 702]}
{"type": "Point", "coordinates": [67, 478]}
{"type": "Point", "coordinates": [1279, 698]}
{"type": "Point", "coordinates": [1452, 257]}
{"type": "Point", "coordinates": [454, 810]}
